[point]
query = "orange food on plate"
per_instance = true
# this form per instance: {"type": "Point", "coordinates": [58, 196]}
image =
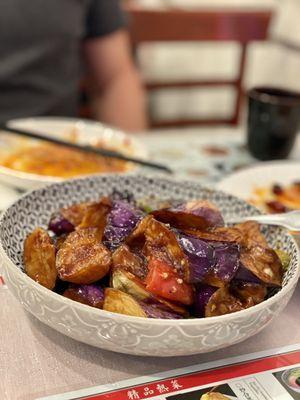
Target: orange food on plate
{"type": "Point", "coordinates": [277, 198]}
{"type": "Point", "coordinates": [58, 161]}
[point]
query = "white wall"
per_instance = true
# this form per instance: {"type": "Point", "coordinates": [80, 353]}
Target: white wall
{"type": "Point", "coordinates": [269, 63]}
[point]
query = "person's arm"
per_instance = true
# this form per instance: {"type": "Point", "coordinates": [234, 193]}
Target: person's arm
{"type": "Point", "coordinates": [117, 93]}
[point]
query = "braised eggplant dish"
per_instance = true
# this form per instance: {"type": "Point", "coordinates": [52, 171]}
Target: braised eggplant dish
{"type": "Point", "coordinates": [173, 261]}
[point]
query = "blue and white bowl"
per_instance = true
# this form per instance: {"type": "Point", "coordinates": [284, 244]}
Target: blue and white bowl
{"type": "Point", "coordinates": [121, 333]}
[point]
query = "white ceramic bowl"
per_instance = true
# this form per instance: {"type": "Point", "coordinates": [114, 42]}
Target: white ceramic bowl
{"type": "Point", "coordinates": [87, 132]}
{"type": "Point", "coordinates": [122, 333]}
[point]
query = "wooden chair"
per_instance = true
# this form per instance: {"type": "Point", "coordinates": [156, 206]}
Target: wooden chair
{"type": "Point", "coordinates": [209, 25]}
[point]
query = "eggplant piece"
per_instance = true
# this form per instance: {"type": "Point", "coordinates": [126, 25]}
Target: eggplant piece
{"type": "Point", "coordinates": [246, 234]}
{"type": "Point", "coordinates": [202, 297]}
{"type": "Point", "coordinates": [169, 306]}
{"type": "Point", "coordinates": [82, 259]}
{"type": "Point", "coordinates": [155, 238]}
{"type": "Point", "coordinates": [121, 221]}
{"type": "Point", "coordinates": [122, 303]}
{"type": "Point", "coordinates": [226, 265]}
{"type": "Point", "coordinates": [223, 302]}
{"type": "Point", "coordinates": [75, 213]}
{"type": "Point", "coordinates": [39, 258]}
{"type": "Point", "coordinates": [83, 215]}
{"type": "Point", "coordinates": [244, 275]}
{"type": "Point", "coordinates": [264, 263]}
{"type": "Point", "coordinates": [134, 263]}
{"type": "Point", "coordinates": [95, 216]}
{"type": "Point", "coordinates": [198, 214]}
{"type": "Point", "coordinates": [249, 293]}
{"type": "Point", "coordinates": [130, 284]}
{"type": "Point", "coordinates": [60, 225]}
{"type": "Point", "coordinates": [252, 235]}
{"type": "Point", "coordinates": [200, 256]}
{"type": "Point", "coordinates": [222, 234]}
{"type": "Point", "coordinates": [156, 311]}
{"type": "Point", "coordinates": [136, 240]}
{"type": "Point", "coordinates": [91, 295]}
{"type": "Point", "coordinates": [124, 215]}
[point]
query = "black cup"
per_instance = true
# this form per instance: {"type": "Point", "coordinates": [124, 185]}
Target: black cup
{"type": "Point", "coordinates": [273, 122]}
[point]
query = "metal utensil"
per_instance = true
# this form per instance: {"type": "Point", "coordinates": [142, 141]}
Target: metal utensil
{"type": "Point", "coordinates": [289, 220]}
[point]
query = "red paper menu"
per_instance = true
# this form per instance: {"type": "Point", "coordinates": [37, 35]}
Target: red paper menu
{"type": "Point", "coordinates": [270, 375]}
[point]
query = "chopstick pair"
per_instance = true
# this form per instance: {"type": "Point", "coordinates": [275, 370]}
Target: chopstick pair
{"type": "Point", "coordinates": [86, 148]}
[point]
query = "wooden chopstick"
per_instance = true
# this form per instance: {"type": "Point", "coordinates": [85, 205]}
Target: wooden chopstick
{"type": "Point", "coordinates": [86, 148]}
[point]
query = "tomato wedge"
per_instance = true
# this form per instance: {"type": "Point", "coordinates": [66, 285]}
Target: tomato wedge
{"type": "Point", "coordinates": [162, 280]}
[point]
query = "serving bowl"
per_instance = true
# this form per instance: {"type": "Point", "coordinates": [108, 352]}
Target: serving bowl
{"type": "Point", "coordinates": [121, 333]}
{"type": "Point", "coordinates": [82, 131]}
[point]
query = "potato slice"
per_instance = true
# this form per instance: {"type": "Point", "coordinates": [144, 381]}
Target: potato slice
{"type": "Point", "coordinates": [39, 258]}
{"type": "Point", "coordinates": [122, 303]}
{"type": "Point", "coordinates": [82, 258]}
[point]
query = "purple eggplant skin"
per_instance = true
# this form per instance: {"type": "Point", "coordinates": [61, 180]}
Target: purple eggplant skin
{"type": "Point", "coordinates": [226, 261]}
{"type": "Point", "coordinates": [124, 215]}
{"type": "Point", "coordinates": [200, 255]}
{"type": "Point", "coordinates": [244, 275]}
{"type": "Point", "coordinates": [121, 221]}
{"type": "Point", "coordinates": [91, 295]}
{"type": "Point", "coordinates": [154, 310]}
{"type": "Point", "coordinates": [202, 297]}
{"type": "Point", "coordinates": [60, 225]}
{"type": "Point", "coordinates": [203, 209]}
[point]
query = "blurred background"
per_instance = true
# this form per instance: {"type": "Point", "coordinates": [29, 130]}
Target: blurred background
{"type": "Point", "coordinates": [190, 53]}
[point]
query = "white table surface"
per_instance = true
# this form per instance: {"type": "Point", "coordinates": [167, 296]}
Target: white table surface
{"type": "Point", "coordinates": [38, 361]}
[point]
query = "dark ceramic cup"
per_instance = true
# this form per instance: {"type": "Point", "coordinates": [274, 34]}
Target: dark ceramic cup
{"type": "Point", "coordinates": [273, 122]}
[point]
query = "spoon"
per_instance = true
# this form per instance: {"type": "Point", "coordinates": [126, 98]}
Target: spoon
{"type": "Point", "coordinates": [289, 220]}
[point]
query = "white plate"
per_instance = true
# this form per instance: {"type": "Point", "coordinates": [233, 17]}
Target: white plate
{"type": "Point", "coordinates": [7, 196]}
{"type": "Point", "coordinates": [243, 183]}
{"type": "Point", "coordinates": [89, 132]}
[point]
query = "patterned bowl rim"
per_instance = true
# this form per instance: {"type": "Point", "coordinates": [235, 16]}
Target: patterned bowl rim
{"type": "Point", "coordinates": [140, 320]}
